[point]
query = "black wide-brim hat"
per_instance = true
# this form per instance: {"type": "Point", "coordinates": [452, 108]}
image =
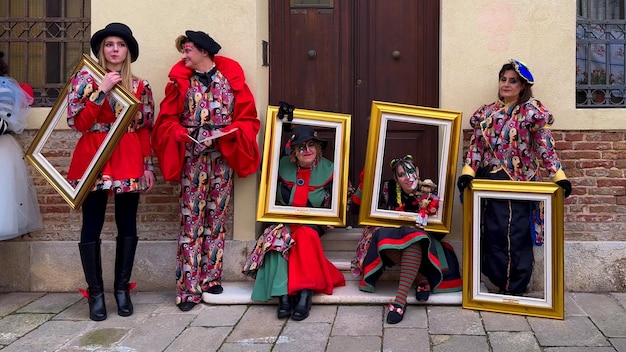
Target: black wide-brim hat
{"type": "Point", "coordinates": [301, 134]}
{"type": "Point", "coordinates": [116, 29]}
{"type": "Point", "coordinates": [204, 41]}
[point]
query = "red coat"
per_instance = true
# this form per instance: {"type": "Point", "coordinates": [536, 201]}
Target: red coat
{"type": "Point", "coordinates": [240, 148]}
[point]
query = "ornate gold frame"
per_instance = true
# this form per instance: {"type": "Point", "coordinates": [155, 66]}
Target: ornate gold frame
{"type": "Point", "coordinates": [267, 209]}
{"type": "Point", "coordinates": [550, 304]}
{"type": "Point", "coordinates": [74, 196]}
{"type": "Point", "coordinates": [448, 123]}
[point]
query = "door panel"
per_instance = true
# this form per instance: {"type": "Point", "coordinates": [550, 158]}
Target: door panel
{"type": "Point", "coordinates": [363, 50]}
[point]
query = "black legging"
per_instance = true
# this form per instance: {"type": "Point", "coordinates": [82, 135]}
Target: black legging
{"type": "Point", "coordinates": [94, 209]}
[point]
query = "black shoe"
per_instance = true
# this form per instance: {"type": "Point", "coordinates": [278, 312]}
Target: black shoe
{"type": "Point", "coordinates": [396, 313]}
{"type": "Point", "coordinates": [284, 306]}
{"type": "Point", "coordinates": [216, 290]}
{"type": "Point", "coordinates": [186, 306]}
{"type": "Point", "coordinates": [302, 309]}
{"type": "Point", "coordinates": [422, 292]}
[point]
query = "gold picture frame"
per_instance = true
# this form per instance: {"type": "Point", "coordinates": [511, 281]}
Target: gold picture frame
{"type": "Point", "coordinates": [546, 298]}
{"type": "Point", "coordinates": [41, 154]}
{"type": "Point", "coordinates": [442, 125]}
{"type": "Point", "coordinates": [335, 128]}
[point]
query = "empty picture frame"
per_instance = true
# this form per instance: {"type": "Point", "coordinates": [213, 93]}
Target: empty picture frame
{"type": "Point", "coordinates": [432, 137]}
{"type": "Point", "coordinates": [545, 297]}
{"type": "Point", "coordinates": [335, 129]}
{"type": "Point", "coordinates": [47, 157]}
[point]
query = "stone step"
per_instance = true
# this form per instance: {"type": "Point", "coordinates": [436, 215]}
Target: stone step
{"type": "Point", "coordinates": [238, 292]}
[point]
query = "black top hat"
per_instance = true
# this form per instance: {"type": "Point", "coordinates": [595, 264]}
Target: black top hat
{"type": "Point", "coordinates": [118, 30]}
{"type": "Point", "coordinates": [204, 41]}
{"type": "Point", "coordinates": [301, 134]}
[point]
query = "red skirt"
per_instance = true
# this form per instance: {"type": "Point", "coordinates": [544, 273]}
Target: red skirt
{"type": "Point", "coordinates": [308, 267]}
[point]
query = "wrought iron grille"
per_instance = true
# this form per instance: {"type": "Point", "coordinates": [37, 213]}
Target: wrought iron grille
{"type": "Point", "coordinates": [42, 41]}
{"type": "Point", "coordinates": [600, 54]}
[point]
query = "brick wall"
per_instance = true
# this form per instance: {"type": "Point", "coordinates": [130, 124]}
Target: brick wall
{"type": "Point", "coordinates": [158, 214]}
{"type": "Point", "coordinates": [594, 163]}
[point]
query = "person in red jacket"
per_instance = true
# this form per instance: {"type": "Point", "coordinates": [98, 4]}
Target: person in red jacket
{"type": "Point", "coordinates": [91, 110]}
{"type": "Point", "coordinates": [206, 130]}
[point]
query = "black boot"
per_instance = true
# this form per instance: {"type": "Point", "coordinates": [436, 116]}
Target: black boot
{"type": "Point", "coordinates": [124, 258]}
{"type": "Point", "coordinates": [302, 308]}
{"type": "Point", "coordinates": [284, 306]}
{"type": "Point", "coordinates": [92, 267]}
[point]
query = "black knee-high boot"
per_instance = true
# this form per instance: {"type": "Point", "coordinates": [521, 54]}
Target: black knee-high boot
{"type": "Point", "coordinates": [302, 308]}
{"type": "Point", "coordinates": [92, 267]}
{"type": "Point", "coordinates": [124, 259]}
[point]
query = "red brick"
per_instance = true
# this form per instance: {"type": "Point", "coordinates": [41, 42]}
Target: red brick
{"type": "Point", "coordinates": [592, 145]}
{"type": "Point", "coordinates": [580, 154]}
{"type": "Point", "coordinates": [594, 218]}
{"type": "Point", "coordinates": [586, 164]}
{"type": "Point", "coordinates": [611, 182]}
{"type": "Point", "coordinates": [574, 136]}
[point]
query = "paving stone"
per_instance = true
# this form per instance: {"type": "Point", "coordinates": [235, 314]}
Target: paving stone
{"type": "Point", "coordinates": [303, 336]}
{"type": "Point", "coordinates": [571, 307]}
{"type": "Point", "coordinates": [96, 338]}
{"type": "Point", "coordinates": [358, 321]}
{"type": "Point", "coordinates": [454, 321]}
{"type": "Point", "coordinates": [51, 303]}
{"type": "Point", "coordinates": [455, 343]}
{"type": "Point", "coordinates": [156, 333]}
{"type": "Point", "coordinates": [50, 336]}
{"type": "Point", "coordinates": [354, 343]}
{"type": "Point", "coordinates": [219, 316]}
{"type": "Point", "coordinates": [398, 339]}
{"type": "Point", "coordinates": [578, 349]}
{"type": "Point", "coordinates": [620, 297]}
{"type": "Point", "coordinates": [608, 315]}
{"type": "Point", "coordinates": [504, 322]}
{"type": "Point", "coordinates": [160, 297]}
{"type": "Point", "coordinates": [211, 337]}
{"type": "Point", "coordinates": [10, 302]}
{"type": "Point", "coordinates": [504, 341]}
{"type": "Point", "coordinates": [12, 327]}
{"type": "Point", "coordinates": [619, 344]}
{"type": "Point", "coordinates": [320, 313]}
{"type": "Point", "coordinates": [571, 332]}
{"type": "Point", "coordinates": [258, 325]}
{"type": "Point", "coordinates": [236, 347]}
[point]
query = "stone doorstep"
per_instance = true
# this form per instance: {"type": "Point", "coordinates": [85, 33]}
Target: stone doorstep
{"type": "Point", "coordinates": [238, 292]}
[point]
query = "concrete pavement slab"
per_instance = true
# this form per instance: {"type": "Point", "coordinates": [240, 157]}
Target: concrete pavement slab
{"type": "Point", "coordinates": [358, 321]}
{"type": "Point", "coordinates": [156, 333]}
{"type": "Point", "coordinates": [414, 317]}
{"type": "Point", "coordinates": [10, 302]}
{"type": "Point", "coordinates": [303, 336]}
{"type": "Point", "coordinates": [579, 349]}
{"type": "Point", "coordinates": [197, 338]}
{"type": "Point", "coordinates": [50, 336]}
{"type": "Point", "coordinates": [96, 339]}
{"type": "Point", "coordinates": [354, 343]}
{"type": "Point", "coordinates": [12, 327]}
{"type": "Point", "coordinates": [519, 341]}
{"type": "Point", "coordinates": [619, 344]}
{"type": "Point", "coordinates": [51, 303]}
{"type": "Point", "coordinates": [454, 321]}
{"type": "Point", "coordinates": [456, 343]}
{"type": "Point", "coordinates": [259, 324]}
{"type": "Point", "coordinates": [219, 316]}
{"type": "Point", "coordinates": [571, 332]}
{"type": "Point", "coordinates": [608, 315]}
{"type": "Point", "coordinates": [504, 322]}
{"type": "Point", "coordinates": [398, 339]}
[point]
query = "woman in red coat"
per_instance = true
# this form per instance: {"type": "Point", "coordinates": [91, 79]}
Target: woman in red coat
{"type": "Point", "coordinates": [129, 171]}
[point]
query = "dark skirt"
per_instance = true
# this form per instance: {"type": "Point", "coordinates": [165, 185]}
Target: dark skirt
{"type": "Point", "coordinates": [439, 263]}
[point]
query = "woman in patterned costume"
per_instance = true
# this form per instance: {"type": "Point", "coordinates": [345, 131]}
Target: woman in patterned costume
{"type": "Point", "coordinates": [421, 256]}
{"type": "Point", "coordinates": [288, 261]}
{"type": "Point", "coordinates": [511, 141]}
{"type": "Point", "coordinates": [92, 111]}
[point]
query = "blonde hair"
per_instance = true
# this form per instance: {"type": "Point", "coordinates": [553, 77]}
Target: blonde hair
{"type": "Point", "coordinates": [126, 74]}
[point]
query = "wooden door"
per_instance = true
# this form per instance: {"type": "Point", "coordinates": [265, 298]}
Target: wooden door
{"type": "Point", "coordinates": [340, 55]}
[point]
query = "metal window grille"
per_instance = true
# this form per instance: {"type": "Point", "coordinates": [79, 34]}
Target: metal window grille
{"type": "Point", "coordinates": [42, 41]}
{"type": "Point", "coordinates": [600, 54]}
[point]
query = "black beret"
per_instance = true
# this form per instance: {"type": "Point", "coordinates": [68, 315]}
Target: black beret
{"type": "Point", "coordinates": [203, 41]}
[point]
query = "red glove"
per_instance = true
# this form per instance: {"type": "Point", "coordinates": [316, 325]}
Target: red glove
{"type": "Point", "coordinates": [181, 135]}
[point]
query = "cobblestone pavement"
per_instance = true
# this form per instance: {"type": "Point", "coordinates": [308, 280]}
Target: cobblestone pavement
{"type": "Point", "coordinates": [35, 321]}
